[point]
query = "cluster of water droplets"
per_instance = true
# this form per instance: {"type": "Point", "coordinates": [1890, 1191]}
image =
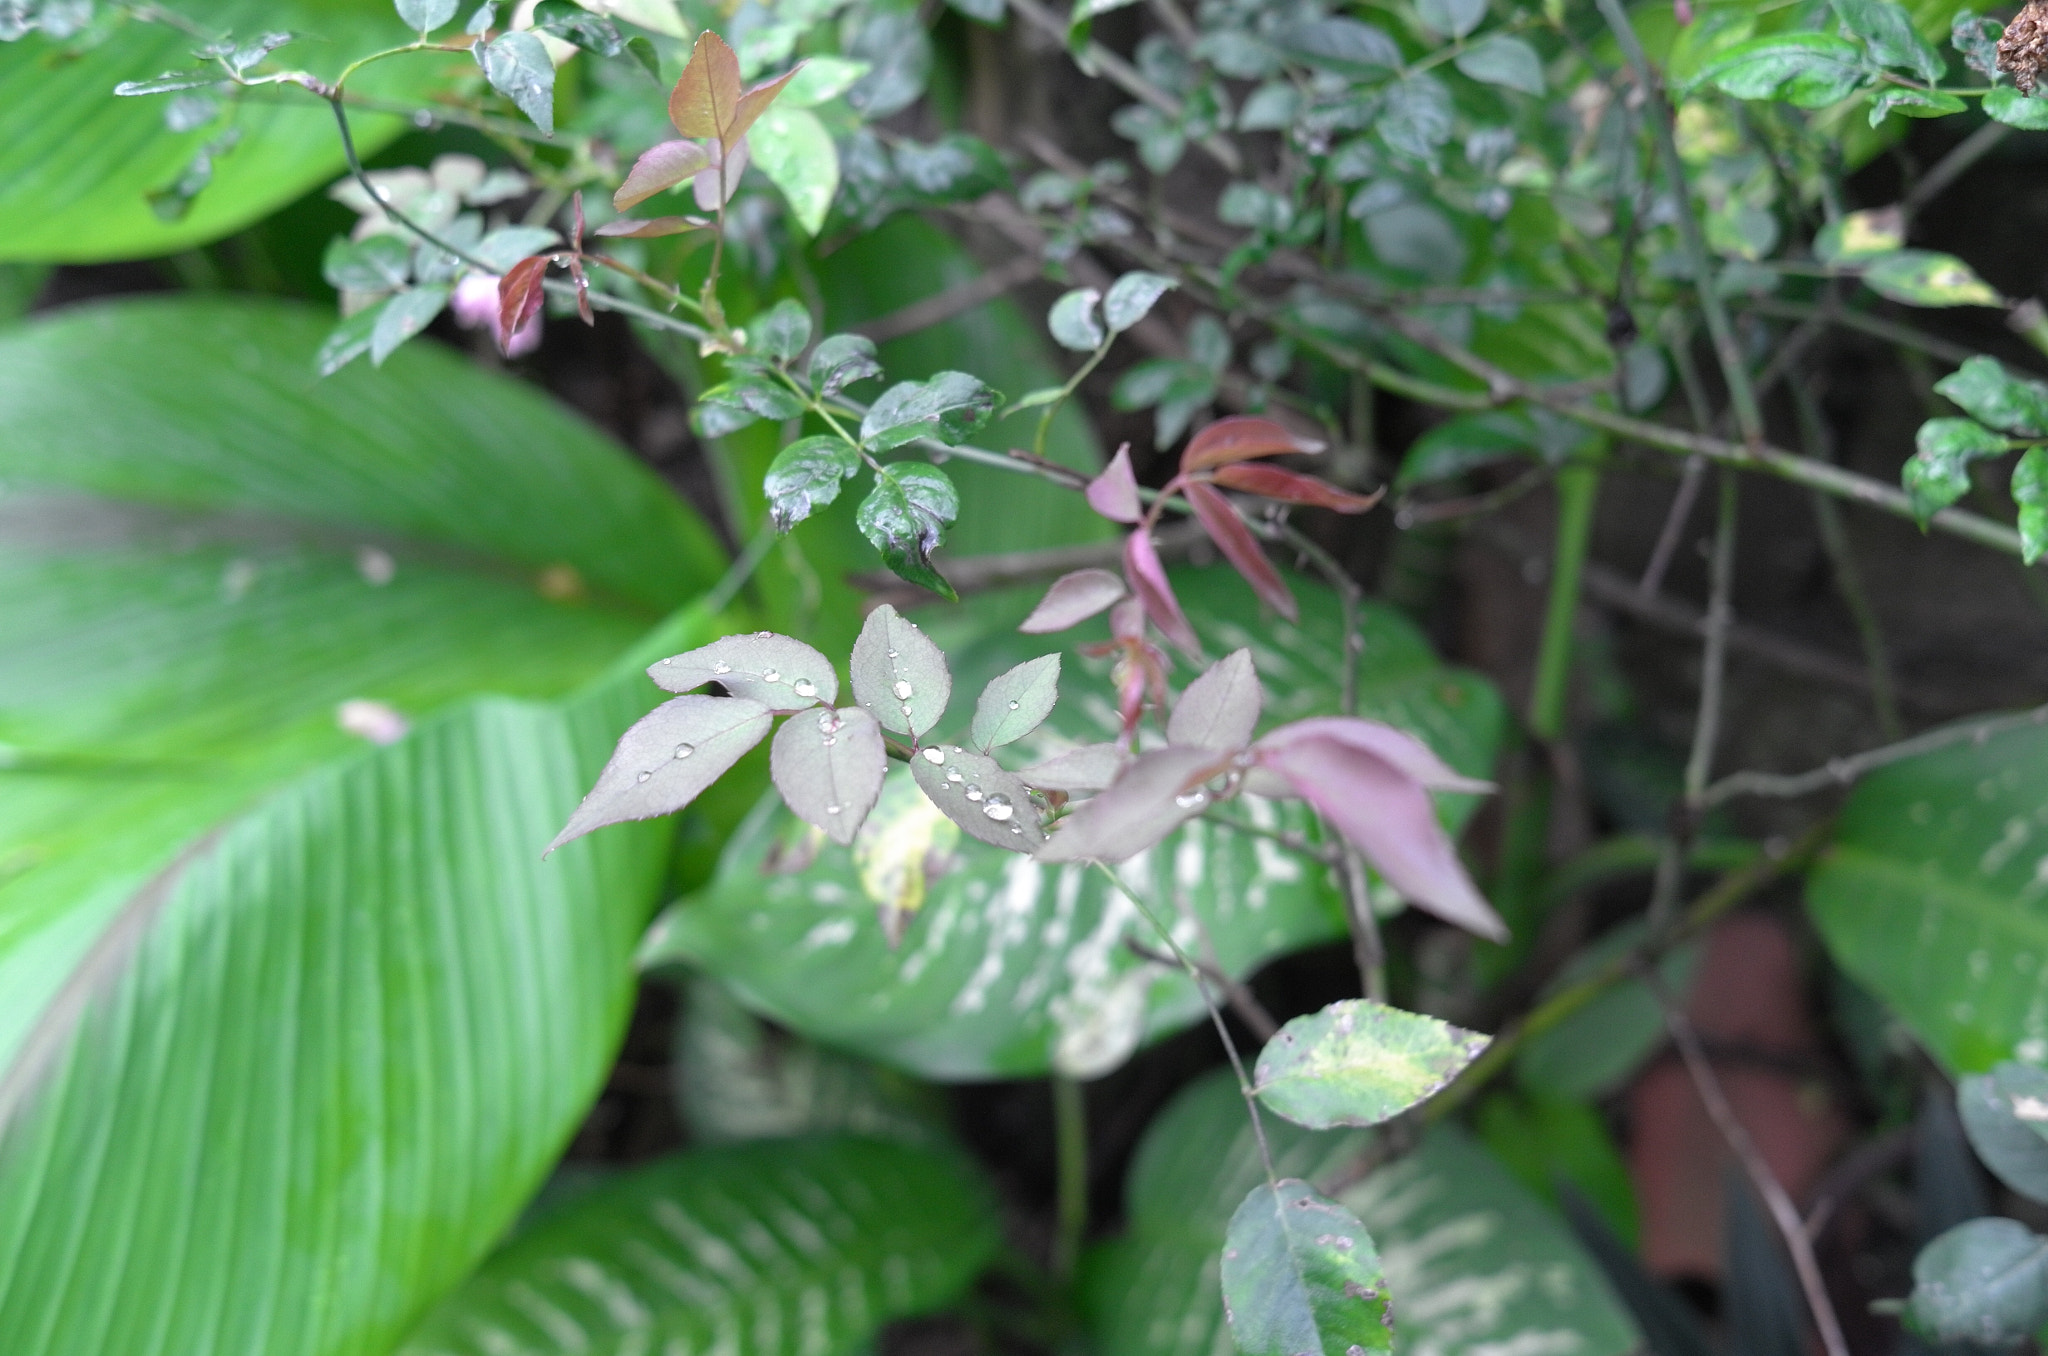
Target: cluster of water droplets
{"type": "Point", "coordinates": [829, 725]}
{"type": "Point", "coordinates": [995, 805]}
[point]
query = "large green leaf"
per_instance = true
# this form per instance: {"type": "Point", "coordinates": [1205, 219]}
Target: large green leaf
{"type": "Point", "coordinates": [79, 162]}
{"type": "Point", "coordinates": [1010, 965]}
{"type": "Point", "coordinates": [290, 1024]}
{"type": "Point", "coordinates": [1935, 897]}
{"type": "Point", "coordinates": [1472, 1261]}
{"type": "Point", "coordinates": [779, 1248]}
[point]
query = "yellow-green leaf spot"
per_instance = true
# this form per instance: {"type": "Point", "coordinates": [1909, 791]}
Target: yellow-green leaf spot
{"type": "Point", "coordinates": [1300, 1274]}
{"type": "Point", "coordinates": [1359, 1063]}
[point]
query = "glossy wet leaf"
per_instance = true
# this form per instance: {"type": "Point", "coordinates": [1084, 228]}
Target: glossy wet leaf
{"type": "Point", "coordinates": [1301, 1276]}
{"type": "Point", "coordinates": [518, 67]}
{"type": "Point", "coordinates": [323, 879]}
{"type": "Point", "coordinates": [1984, 1282]}
{"type": "Point", "coordinates": [792, 147]}
{"type": "Point", "coordinates": [1131, 298]}
{"type": "Point", "coordinates": [806, 476]}
{"type": "Point", "coordinates": [1807, 70]}
{"type": "Point", "coordinates": [950, 407]}
{"type": "Point", "coordinates": [383, 263]}
{"type": "Point", "coordinates": [706, 98]}
{"type": "Point", "coordinates": [660, 167]}
{"type": "Point", "coordinates": [1073, 599]}
{"type": "Point", "coordinates": [976, 793]}
{"type": "Point", "coordinates": [2028, 112]}
{"type": "Point", "coordinates": [1938, 472]}
{"type": "Point", "coordinates": [1016, 702]}
{"type": "Point", "coordinates": [573, 24]}
{"type": "Point", "coordinates": [1359, 1063]}
{"type": "Point", "coordinates": [1473, 1261]}
{"type": "Point", "coordinates": [349, 340]}
{"type": "Point", "coordinates": [2030, 496]}
{"type": "Point", "coordinates": [668, 758]}
{"type": "Point", "coordinates": [1220, 709]}
{"type": "Point", "coordinates": [905, 517]}
{"type": "Point", "coordinates": [828, 765]}
{"type": "Point", "coordinates": [1006, 959]}
{"type": "Point", "coordinates": [899, 676]}
{"type": "Point", "coordinates": [1929, 897]}
{"type": "Point", "coordinates": [1073, 322]}
{"type": "Point", "coordinates": [1886, 29]}
{"type": "Point", "coordinates": [840, 360]}
{"type": "Point", "coordinates": [1988, 393]}
{"type": "Point", "coordinates": [734, 404]}
{"type": "Point", "coordinates": [1923, 278]}
{"type": "Point", "coordinates": [780, 672]}
{"type": "Point", "coordinates": [520, 296]}
{"type": "Point", "coordinates": [2005, 1114]}
{"type": "Point", "coordinates": [781, 332]}
{"type": "Point", "coordinates": [744, 1247]}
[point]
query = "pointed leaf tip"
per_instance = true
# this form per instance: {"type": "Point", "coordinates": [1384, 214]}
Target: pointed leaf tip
{"type": "Point", "coordinates": [1073, 599]}
{"type": "Point", "coordinates": [1358, 1062]}
{"type": "Point", "coordinates": [1114, 493]}
{"type": "Point", "coordinates": [1148, 580]}
{"type": "Point", "coordinates": [1241, 548]}
{"type": "Point", "coordinates": [519, 297]}
{"type": "Point", "coordinates": [1220, 708]}
{"type": "Point", "coordinates": [1241, 438]}
{"type": "Point", "coordinates": [667, 759]}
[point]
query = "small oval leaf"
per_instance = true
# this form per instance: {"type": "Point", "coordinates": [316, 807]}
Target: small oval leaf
{"type": "Point", "coordinates": [1358, 1062]}
{"type": "Point", "coordinates": [2005, 1114]}
{"type": "Point", "coordinates": [1073, 322]}
{"type": "Point", "coordinates": [1016, 702]}
{"type": "Point", "coordinates": [898, 674]}
{"type": "Point", "coordinates": [975, 792]}
{"type": "Point", "coordinates": [1131, 298]}
{"type": "Point", "coordinates": [1301, 1277]}
{"type": "Point", "coordinates": [829, 766]}
{"type": "Point", "coordinates": [667, 759]}
{"type": "Point", "coordinates": [780, 672]}
{"type": "Point", "coordinates": [1114, 493]}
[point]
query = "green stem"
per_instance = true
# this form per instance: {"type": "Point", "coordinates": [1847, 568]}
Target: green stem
{"type": "Point", "coordinates": [1070, 1117]}
{"type": "Point", "coordinates": [1578, 491]}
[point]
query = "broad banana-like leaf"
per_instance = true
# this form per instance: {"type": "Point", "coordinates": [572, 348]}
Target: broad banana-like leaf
{"type": "Point", "coordinates": [292, 1014]}
{"type": "Point", "coordinates": [794, 1247]}
{"type": "Point", "coordinates": [80, 163]}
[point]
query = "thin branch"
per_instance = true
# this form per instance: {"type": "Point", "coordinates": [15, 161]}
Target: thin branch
{"type": "Point", "coordinates": [1838, 772]}
{"type": "Point", "coordinates": [1784, 1214]}
{"type": "Point", "coordinates": [1241, 999]}
{"type": "Point", "coordinates": [1950, 167]}
{"type": "Point", "coordinates": [933, 310]}
{"type": "Point", "coordinates": [1877, 327]}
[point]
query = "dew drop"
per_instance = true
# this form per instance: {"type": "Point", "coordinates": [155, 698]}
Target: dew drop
{"type": "Point", "coordinates": [999, 809]}
{"type": "Point", "coordinates": [953, 775]}
{"type": "Point", "coordinates": [829, 722]}
{"type": "Point", "coordinates": [666, 662]}
{"type": "Point", "coordinates": [771, 675]}
{"type": "Point", "coordinates": [902, 690]}
{"type": "Point", "coordinates": [721, 667]}
{"type": "Point", "coordinates": [685, 750]}
{"type": "Point", "coordinates": [831, 809]}
{"type": "Point", "coordinates": [645, 775]}
{"type": "Point", "coordinates": [973, 792]}
{"type": "Point", "coordinates": [829, 740]}
{"type": "Point", "coordinates": [934, 755]}
{"type": "Point", "coordinates": [1013, 706]}
{"type": "Point", "coordinates": [892, 654]}
{"type": "Point", "coordinates": [764, 634]}
{"type": "Point", "coordinates": [804, 687]}
{"type": "Point", "coordinates": [1189, 800]}
{"type": "Point", "coordinates": [1016, 828]}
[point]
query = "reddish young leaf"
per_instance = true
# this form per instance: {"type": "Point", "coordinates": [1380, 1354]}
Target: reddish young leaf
{"type": "Point", "coordinates": [1148, 580]}
{"type": "Point", "coordinates": [1157, 793]}
{"type": "Point", "coordinates": [1291, 487]}
{"type": "Point", "coordinates": [755, 102]}
{"type": "Point", "coordinates": [639, 228]}
{"type": "Point", "coordinates": [661, 167]}
{"type": "Point", "coordinates": [519, 297]}
{"type": "Point", "coordinates": [1240, 548]}
{"type": "Point", "coordinates": [576, 230]}
{"type": "Point", "coordinates": [1114, 493]}
{"type": "Point", "coordinates": [1240, 438]}
{"type": "Point", "coordinates": [577, 276]}
{"type": "Point", "coordinates": [1409, 755]}
{"type": "Point", "coordinates": [706, 99]}
{"type": "Point", "coordinates": [1073, 599]}
{"type": "Point", "coordinates": [1387, 815]}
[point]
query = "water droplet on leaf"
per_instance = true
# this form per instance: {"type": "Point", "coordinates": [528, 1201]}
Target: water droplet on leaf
{"type": "Point", "coordinates": [721, 667]}
{"type": "Point", "coordinates": [1189, 800]}
{"type": "Point", "coordinates": [902, 690]}
{"type": "Point", "coordinates": [973, 792]}
{"type": "Point", "coordinates": [831, 809]}
{"type": "Point", "coordinates": [771, 675]}
{"type": "Point", "coordinates": [998, 808]}
{"type": "Point", "coordinates": [685, 750]}
{"type": "Point", "coordinates": [645, 775]}
{"type": "Point", "coordinates": [934, 755]}
{"type": "Point", "coordinates": [804, 687]}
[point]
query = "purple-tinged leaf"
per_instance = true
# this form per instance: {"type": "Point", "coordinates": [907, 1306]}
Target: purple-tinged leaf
{"type": "Point", "coordinates": [1292, 487]}
{"type": "Point", "coordinates": [1157, 793]}
{"type": "Point", "coordinates": [756, 100]}
{"type": "Point", "coordinates": [1386, 814]}
{"type": "Point", "coordinates": [1221, 708]}
{"type": "Point", "coordinates": [1114, 493]}
{"type": "Point", "coordinates": [781, 673]}
{"type": "Point", "coordinates": [1407, 753]}
{"type": "Point", "coordinates": [1301, 1277]}
{"type": "Point", "coordinates": [974, 791]}
{"type": "Point", "coordinates": [650, 228]}
{"type": "Point", "coordinates": [714, 186]}
{"type": "Point", "coordinates": [898, 674]}
{"type": "Point", "coordinates": [706, 99]}
{"type": "Point", "coordinates": [1358, 1062]}
{"type": "Point", "coordinates": [1073, 599]}
{"type": "Point", "coordinates": [829, 766]}
{"type": "Point", "coordinates": [1240, 438]}
{"type": "Point", "coordinates": [662, 167]}
{"type": "Point", "coordinates": [1148, 580]}
{"type": "Point", "coordinates": [667, 759]}
{"type": "Point", "coordinates": [1084, 770]}
{"type": "Point", "coordinates": [519, 297]}
{"type": "Point", "coordinates": [1241, 548]}
{"type": "Point", "coordinates": [1016, 702]}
